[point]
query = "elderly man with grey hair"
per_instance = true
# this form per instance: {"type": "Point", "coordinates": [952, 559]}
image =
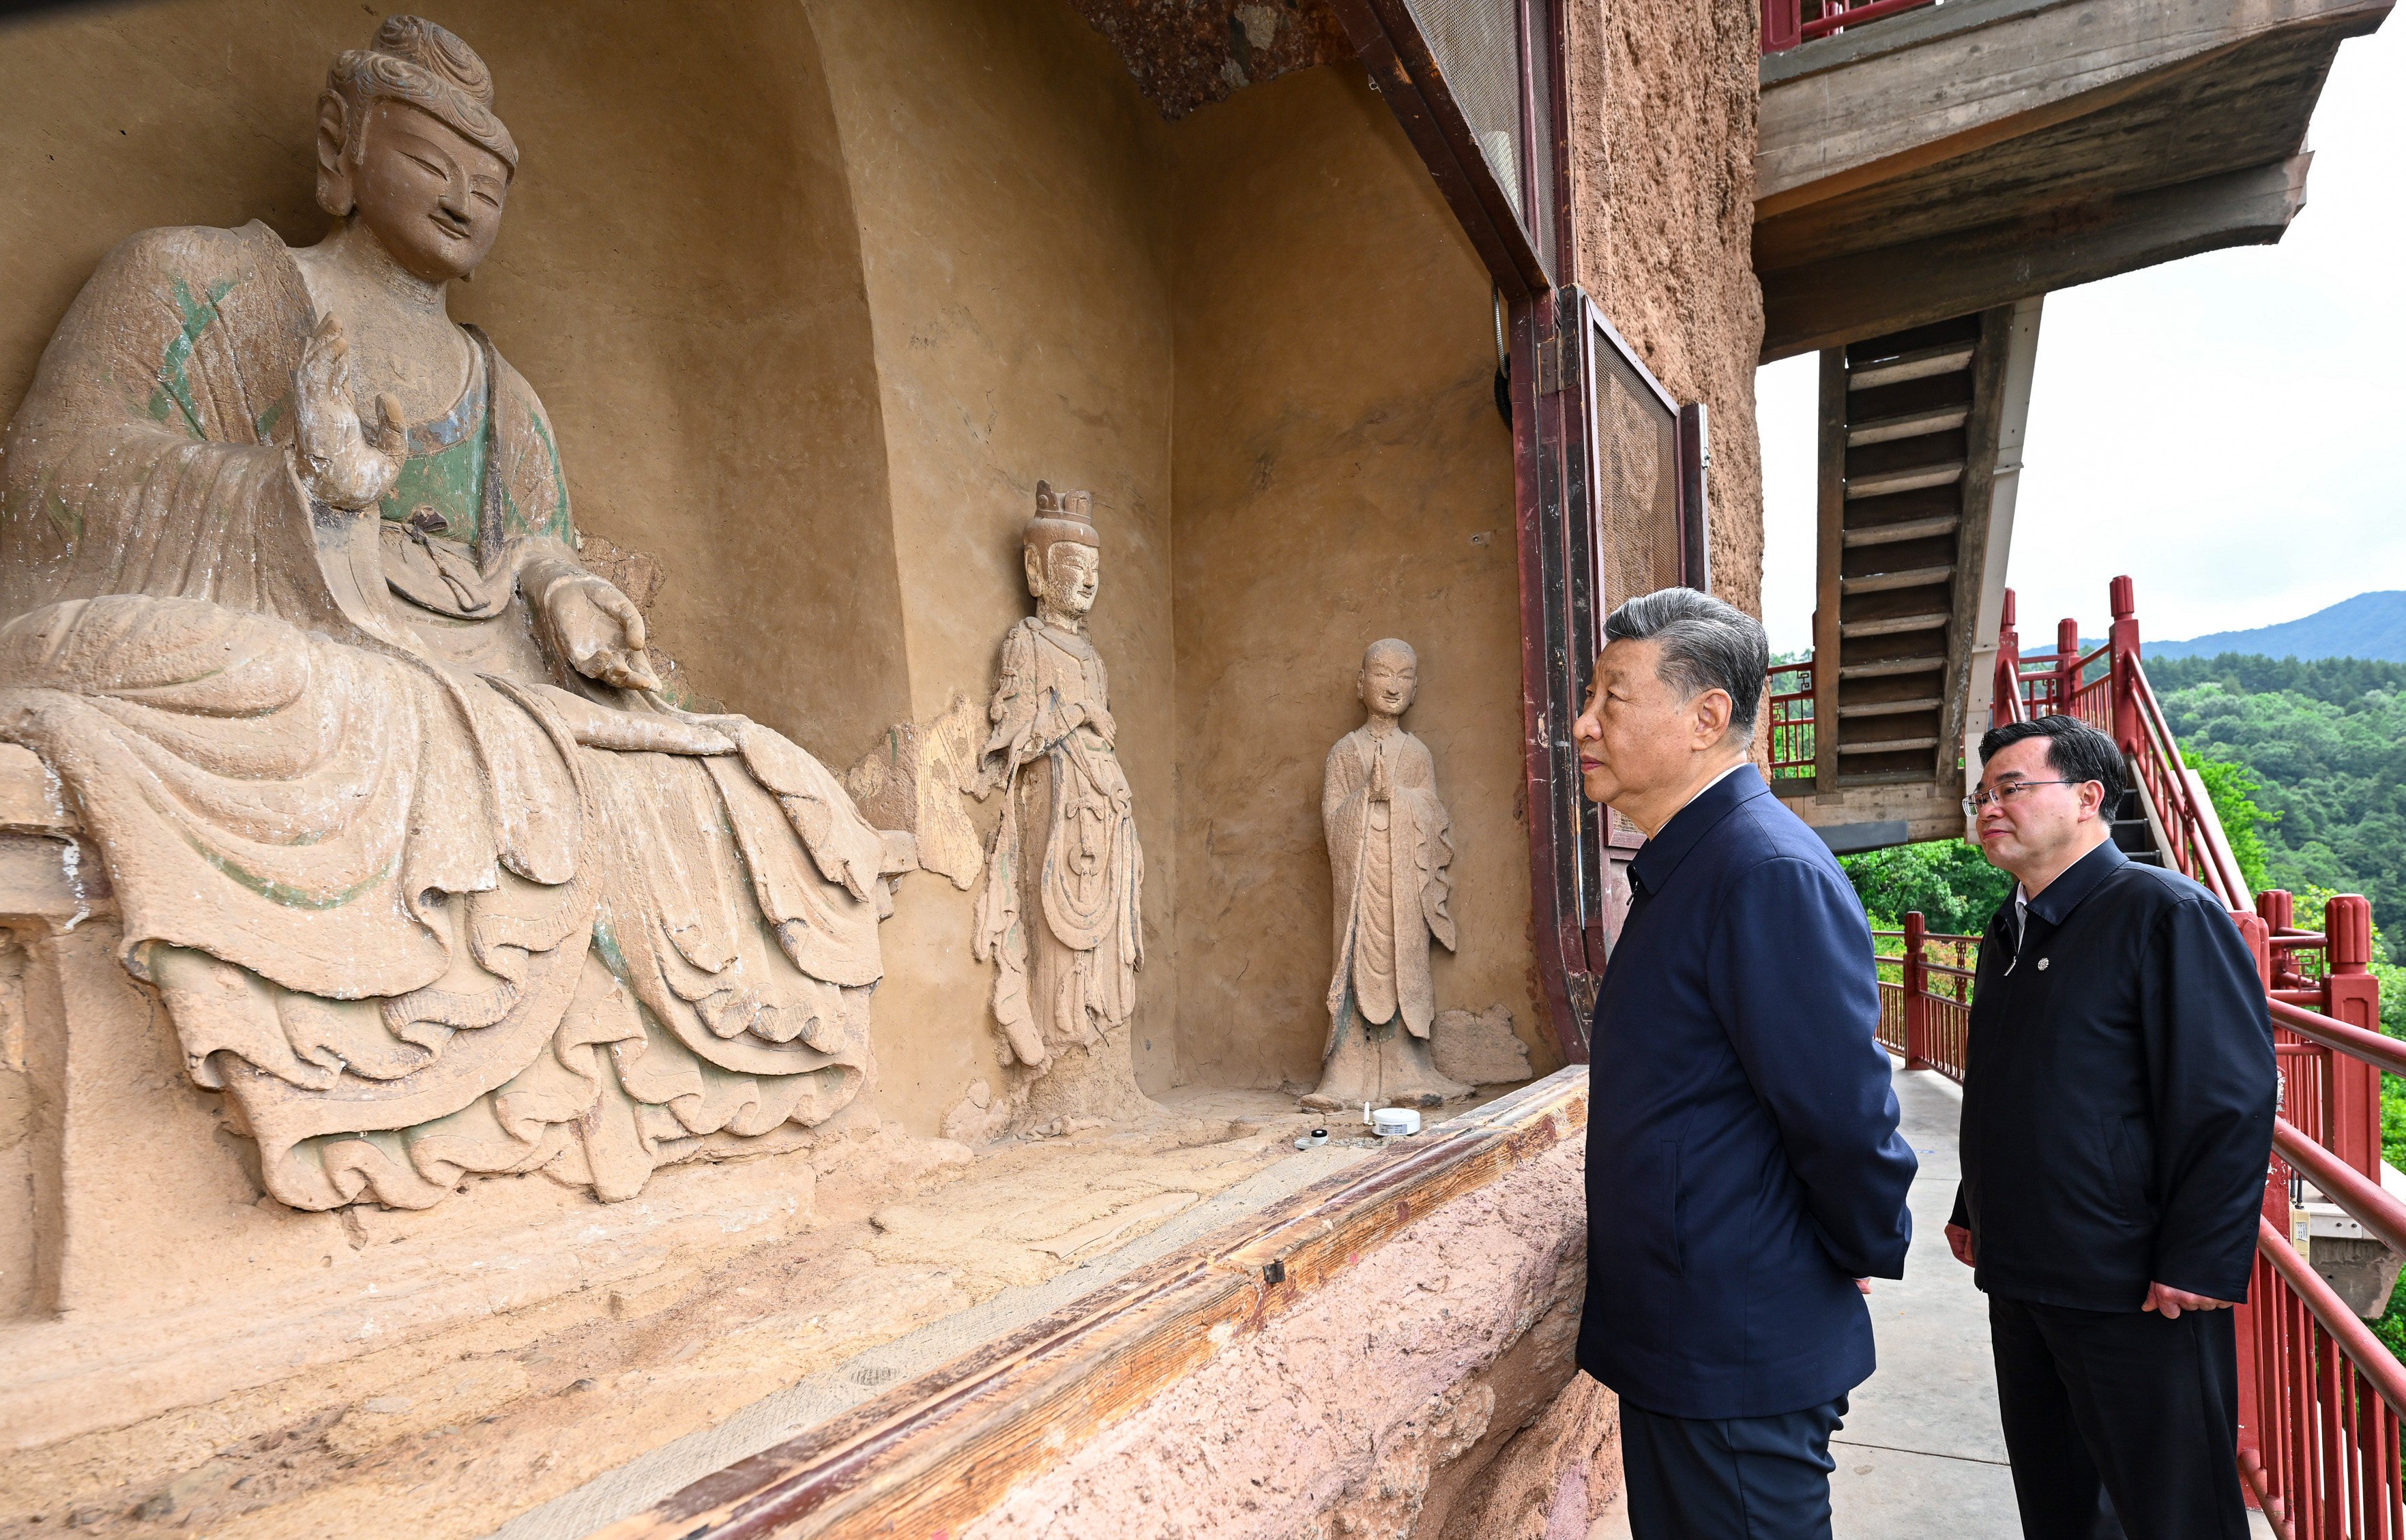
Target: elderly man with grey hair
{"type": "Point", "coordinates": [1745, 1175]}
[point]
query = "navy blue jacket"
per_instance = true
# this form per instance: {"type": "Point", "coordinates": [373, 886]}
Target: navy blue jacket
{"type": "Point", "coordinates": [1743, 1161]}
{"type": "Point", "coordinates": [2118, 1092]}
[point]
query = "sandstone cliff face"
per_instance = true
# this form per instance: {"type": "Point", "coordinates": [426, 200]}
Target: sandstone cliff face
{"type": "Point", "coordinates": [1662, 136]}
{"type": "Point", "coordinates": [1419, 1394]}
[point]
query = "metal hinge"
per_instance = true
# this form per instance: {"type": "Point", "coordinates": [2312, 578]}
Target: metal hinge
{"type": "Point", "coordinates": [1549, 365]}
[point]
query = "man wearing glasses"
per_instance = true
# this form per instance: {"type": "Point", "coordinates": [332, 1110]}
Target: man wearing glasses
{"type": "Point", "coordinates": [2118, 1117]}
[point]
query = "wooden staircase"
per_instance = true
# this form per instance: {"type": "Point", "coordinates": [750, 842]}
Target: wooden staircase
{"type": "Point", "coordinates": [2134, 835]}
{"type": "Point", "coordinates": [1920, 432]}
{"type": "Point", "coordinates": [1901, 424]}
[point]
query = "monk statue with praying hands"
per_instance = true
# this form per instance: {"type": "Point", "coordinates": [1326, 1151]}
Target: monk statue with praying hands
{"type": "Point", "coordinates": [1390, 851]}
{"type": "Point", "coordinates": [431, 876]}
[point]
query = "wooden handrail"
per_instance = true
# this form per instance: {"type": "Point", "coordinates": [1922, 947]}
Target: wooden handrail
{"type": "Point", "coordinates": [901, 1464]}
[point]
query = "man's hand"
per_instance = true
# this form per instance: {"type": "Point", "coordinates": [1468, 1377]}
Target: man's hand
{"type": "Point", "coordinates": [1958, 1241]}
{"type": "Point", "coordinates": [2170, 1302]}
{"type": "Point", "coordinates": [1863, 1286]}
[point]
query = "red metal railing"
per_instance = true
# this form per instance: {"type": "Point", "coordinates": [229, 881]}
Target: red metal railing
{"type": "Point", "coordinates": [2320, 1398]}
{"type": "Point", "coordinates": [1789, 689]}
{"type": "Point", "coordinates": [2107, 687]}
{"type": "Point", "coordinates": [1926, 1010]}
{"type": "Point", "coordinates": [2323, 1459]}
{"type": "Point", "coordinates": [1789, 23]}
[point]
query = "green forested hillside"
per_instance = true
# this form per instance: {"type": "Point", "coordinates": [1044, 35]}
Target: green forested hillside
{"type": "Point", "coordinates": [2305, 760]}
{"type": "Point", "coordinates": [2326, 744]}
{"type": "Point", "coordinates": [2337, 681]}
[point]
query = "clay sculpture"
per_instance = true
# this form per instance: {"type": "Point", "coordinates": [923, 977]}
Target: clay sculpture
{"type": "Point", "coordinates": [1390, 851]}
{"type": "Point", "coordinates": [1060, 913]}
{"type": "Point", "coordinates": [432, 878]}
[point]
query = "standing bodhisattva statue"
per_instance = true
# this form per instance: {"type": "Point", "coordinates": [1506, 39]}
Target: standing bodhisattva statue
{"type": "Point", "coordinates": [1060, 913]}
{"type": "Point", "coordinates": [431, 877]}
{"type": "Point", "coordinates": [1389, 850]}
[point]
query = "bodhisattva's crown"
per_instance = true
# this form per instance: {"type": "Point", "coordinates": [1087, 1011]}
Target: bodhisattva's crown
{"type": "Point", "coordinates": [1061, 515]}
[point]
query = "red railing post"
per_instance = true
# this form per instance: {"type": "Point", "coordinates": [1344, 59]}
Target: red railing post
{"type": "Point", "coordinates": [2279, 912]}
{"type": "Point", "coordinates": [2250, 1335]}
{"type": "Point", "coordinates": [2005, 689]}
{"type": "Point", "coordinates": [2352, 994]}
{"type": "Point", "coordinates": [1917, 994]}
{"type": "Point", "coordinates": [2259, 942]}
{"type": "Point", "coordinates": [1783, 24]}
{"type": "Point", "coordinates": [2067, 664]}
{"type": "Point", "coordinates": [2124, 660]}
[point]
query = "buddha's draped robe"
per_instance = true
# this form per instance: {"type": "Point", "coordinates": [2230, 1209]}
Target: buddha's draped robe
{"type": "Point", "coordinates": [420, 899]}
{"type": "Point", "coordinates": [1060, 915]}
{"type": "Point", "coordinates": [1390, 855]}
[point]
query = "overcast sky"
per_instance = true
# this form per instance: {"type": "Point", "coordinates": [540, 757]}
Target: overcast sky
{"type": "Point", "coordinates": [2227, 429]}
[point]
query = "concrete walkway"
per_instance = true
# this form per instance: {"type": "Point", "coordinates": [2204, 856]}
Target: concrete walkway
{"type": "Point", "coordinates": [1921, 1454]}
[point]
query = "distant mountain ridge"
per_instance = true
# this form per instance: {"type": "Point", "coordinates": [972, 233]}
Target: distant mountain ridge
{"type": "Point", "coordinates": [2369, 625]}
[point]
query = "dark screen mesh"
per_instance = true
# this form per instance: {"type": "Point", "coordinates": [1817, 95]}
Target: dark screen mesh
{"type": "Point", "coordinates": [1541, 147]}
{"type": "Point", "coordinates": [1478, 47]}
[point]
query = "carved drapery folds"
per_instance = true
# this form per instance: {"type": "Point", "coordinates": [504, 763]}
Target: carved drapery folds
{"type": "Point", "coordinates": [1390, 858]}
{"type": "Point", "coordinates": [1060, 915]}
{"type": "Point", "coordinates": [420, 896]}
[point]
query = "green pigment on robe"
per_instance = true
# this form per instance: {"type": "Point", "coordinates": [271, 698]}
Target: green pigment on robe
{"type": "Point", "coordinates": [445, 469]}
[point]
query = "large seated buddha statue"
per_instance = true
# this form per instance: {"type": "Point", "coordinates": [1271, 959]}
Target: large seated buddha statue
{"type": "Point", "coordinates": [432, 878]}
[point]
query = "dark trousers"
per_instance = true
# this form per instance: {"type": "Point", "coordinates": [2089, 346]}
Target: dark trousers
{"type": "Point", "coordinates": [2142, 1410]}
{"type": "Point", "coordinates": [1729, 1478]}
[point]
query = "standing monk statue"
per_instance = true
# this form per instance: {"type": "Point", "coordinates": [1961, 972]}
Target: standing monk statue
{"type": "Point", "coordinates": [431, 878]}
{"type": "Point", "coordinates": [1389, 850]}
{"type": "Point", "coordinates": [1061, 913]}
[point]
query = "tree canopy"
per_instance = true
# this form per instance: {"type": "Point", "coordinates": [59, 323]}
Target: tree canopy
{"type": "Point", "coordinates": [1948, 881]}
{"type": "Point", "coordinates": [2329, 767]}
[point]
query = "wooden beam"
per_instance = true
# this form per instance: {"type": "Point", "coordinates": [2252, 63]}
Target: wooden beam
{"type": "Point", "coordinates": [1915, 806]}
{"type": "Point", "coordinates": [929, 1456]}
{"type": "Point", "coordinates": [1829, 549]}
{"type": "Point", "coordinates": [1872, 292]}
{"type": "Point", "coordinates": [1871, 120]}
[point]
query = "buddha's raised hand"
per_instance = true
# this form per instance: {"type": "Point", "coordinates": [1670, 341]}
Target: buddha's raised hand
{"type": "Point", "coordinates": [335, 458]}
{"type": "Point", "coordinates": [592, 626]}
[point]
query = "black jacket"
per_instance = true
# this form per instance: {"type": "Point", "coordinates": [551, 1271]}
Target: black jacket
{"type": "Point", "coordinates": [1743, 1161]}
{"type": "Point", "coordinates": [2117, 1093]}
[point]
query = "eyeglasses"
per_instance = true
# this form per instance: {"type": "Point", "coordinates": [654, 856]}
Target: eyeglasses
{"type": "Point", "coordinates": [1978, 800]}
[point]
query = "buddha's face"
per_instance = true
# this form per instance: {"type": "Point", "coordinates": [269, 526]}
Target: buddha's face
{"type": "Point", "coordinates": [431, 196]}
{"type": "Point", "coordinates": [1072, 573]}
{"type": "Point", "coordinates": [1391, 677]}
